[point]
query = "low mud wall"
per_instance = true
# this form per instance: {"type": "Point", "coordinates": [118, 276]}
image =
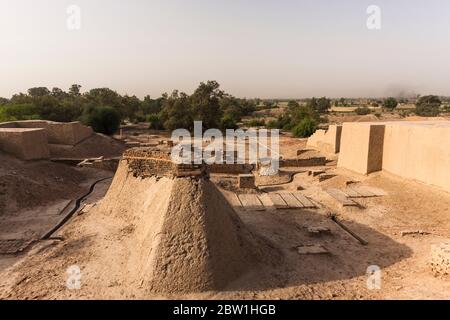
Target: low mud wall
{"type": "Point", "coordinates": [327, 141]}
{"type": "Point", "coordinates": [230, 168]}
{"type": "Point", "coordinates": [66, 133]}
{"type": "Point", "coordinates": [25, 144]}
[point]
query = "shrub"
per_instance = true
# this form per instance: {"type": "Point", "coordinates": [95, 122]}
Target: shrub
{"type": "Point", "coordinates": [228, 122]}
{"type": "Point", "coordinates": [362, 111]}
{"type": "Point", "coordinates": [273, 124]}
{"type": "Point", "coordinates": [390, 103]}
{"type": "Point", "coordinates": [155, 122]}
{"type": "Point", "coordinates": [12, 112]}
{"type": "Point", "coordinates": [102, 119]}
{"type": "Point", "coordinates": [305, 128]}
{"type": "Point", "coordinates": [428, 106]}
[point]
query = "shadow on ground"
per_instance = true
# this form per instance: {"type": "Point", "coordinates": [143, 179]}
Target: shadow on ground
{"type": "Point", "coordinates": [347, 258]}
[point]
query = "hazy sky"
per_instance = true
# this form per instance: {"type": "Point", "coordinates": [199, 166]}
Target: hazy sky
{"type": "Point", "coordinates": [253, 48]}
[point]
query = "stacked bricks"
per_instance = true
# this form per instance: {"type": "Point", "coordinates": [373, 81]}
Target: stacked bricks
{"type": "Point", "coordinates": [307, 162]}
{"type": "Point", "coordinates": [145, 162]}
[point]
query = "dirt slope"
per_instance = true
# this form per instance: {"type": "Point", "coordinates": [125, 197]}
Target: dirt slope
{"type": "Point", "coordinates": [146, 237]}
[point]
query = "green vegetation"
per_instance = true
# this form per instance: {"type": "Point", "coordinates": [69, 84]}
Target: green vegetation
{"type": "Point", "coordinates": [302, 120]}
{"type": "Point", "coordinates": [154, 121]}
{"type": "Point", "coordinates": [390, 103]}
{"type": "Point", "coordinates": [428, 106]}
{"type": "Point", "coordinates": [102, 119]}
{"type": "Point", "coordinates": [256, 123]}
{"type": "Point", "coordinates": [305, 128]}
{"type": "Point", "coordinates": [228, 122]}
{"type": "Point", "coordinates": [208, 103]}
{"type": "Point", "coordinates": [361, 111]}
{"type": "Point", "coordinates": [11, 112]}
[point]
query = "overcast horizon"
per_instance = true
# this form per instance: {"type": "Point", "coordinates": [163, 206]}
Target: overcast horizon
{"type": "Point", "coordinates": [266, 49]}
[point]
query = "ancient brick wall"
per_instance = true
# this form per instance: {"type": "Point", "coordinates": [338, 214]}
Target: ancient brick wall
{"type": "Point", "coordinates": [230, 168]}
{"type": "Point", "coordinates": [145, 162]}
{"type": "Point", "coordinates": [307, 162]}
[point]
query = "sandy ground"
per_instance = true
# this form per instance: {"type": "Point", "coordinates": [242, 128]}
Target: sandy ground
{"type": "Point", "coordinates": [98, 244]}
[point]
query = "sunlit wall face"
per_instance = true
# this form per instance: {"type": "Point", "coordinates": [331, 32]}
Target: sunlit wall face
{"type": "Point", "coordinates": [261, 48]}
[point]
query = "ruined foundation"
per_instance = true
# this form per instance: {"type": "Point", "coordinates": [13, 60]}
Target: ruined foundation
{"type": "Point", "coordinates": [66, 133]}
{"type": "Point", "coordinates": [188, 238]}
{"type": "Point", "coordinates": [35, 139]}
{"type": "Point", "coordinates": [327, 141]}
{"type": "Point", "coordinates": [148, 162]}
{"type": "Point", "coordinates": [25, 144]}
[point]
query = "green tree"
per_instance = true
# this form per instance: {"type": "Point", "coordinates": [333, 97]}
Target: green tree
{"type": "Point", "coordinates": [58, 93]}
{"type": "Point", "coordinates": [74, 90]}
{"type": "Point", "coordinates": [305, 128]}
{"type": "Point", "coordinates": [38, 92]}
{"type": "Point", "coordinates": [12, 112]}
{"type": "Point", "coordinates": [390, 103]}
{"type": "Point", "coordinates": [177, 112]}
{"type": "Point", "coordinates": [428, 106]}
{"type": "Point", "coordinates": [323, 105]}
{"type": "Point", "coordinates": [151, 106]}
{"type": "Point", "coordinates": [104, 97]}
{"type": "Point", "coordinates": [362, 111]}
{"type": "Point", "coordinates": [21, 98]}
{"type": "Point", "coordinates": [103, 119]}
{"type": "Point", "coordinates": [228, 122]}
{"type": "Point", "coordinates": [130, 107]}
{"type": "Point", "coordinates": [155, 122]}
{"type": "Point", "coordinates": [205, 102]}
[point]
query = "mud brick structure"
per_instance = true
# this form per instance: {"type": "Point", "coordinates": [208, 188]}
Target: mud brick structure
{"type": "Point", "coordinates": [147, 162]}
{"type": "Point", "coordinates": [25, 144]}
{"type": "Point", "coordinates": [35, 139]}
{"type": "Point", "coordinates": [246, 181]}
{"type": "Point", "coordinates": [418, 150]}
{"type": "Point", "coordinates": [362, 147]}
{"type": "Point", "coordinates": [67, 133]}
{"type": "Point", "coordinates": [440, 260]}
{"type": "Point", "coordinates": [306, 162]}
{"type": "Point", "coordinates": [233, 168]}
{"type": "Point", "coordinates": [327, 141]}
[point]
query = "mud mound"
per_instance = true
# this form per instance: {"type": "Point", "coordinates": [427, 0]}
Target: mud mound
{"type": "Point", "coordinates": [148, 237]}
{"type": "Point", "coordinates": [95, 146]}
{"type": "Point", "coordinates": [188, 238]}
{"type": "Point", "coordinates": [27, 184]}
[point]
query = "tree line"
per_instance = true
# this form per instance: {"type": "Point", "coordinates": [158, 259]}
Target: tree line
{"type": "Point", "coordinates": [104, 109]}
